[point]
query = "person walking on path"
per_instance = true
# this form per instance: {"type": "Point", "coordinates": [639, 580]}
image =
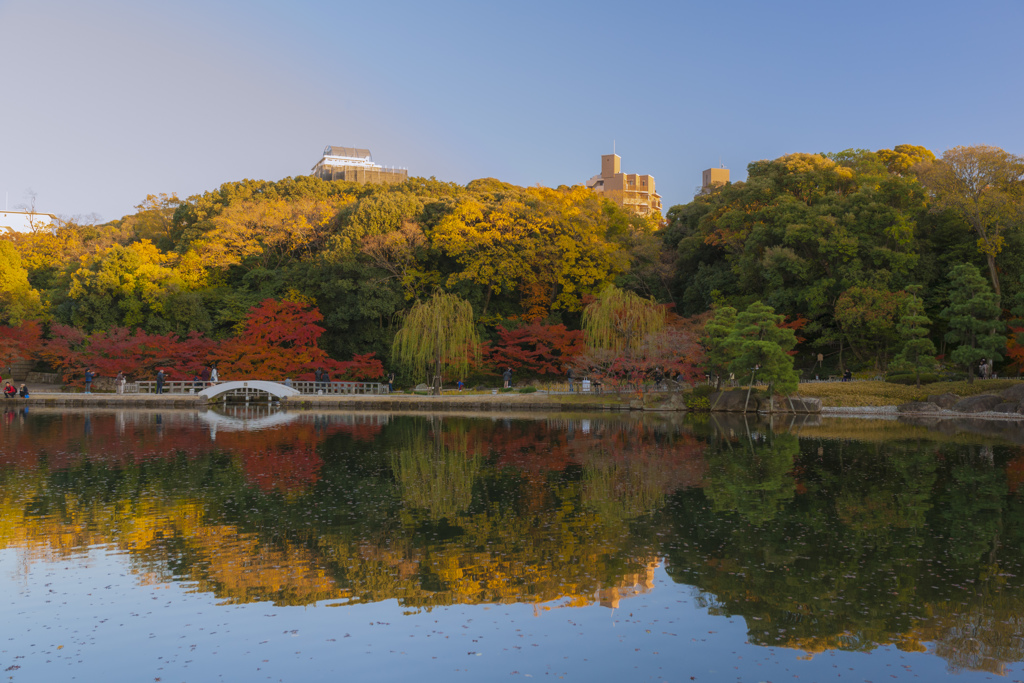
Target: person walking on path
{"type": "Point", "coordinates": [160, 381]}
{"type": "Point", "coordinates": [507, 376]}
{"type": "Point", "coordinates": [326, 379]}
{"type": "Point", "coordinates": [89, 374]}
{"type": "Point", "coordinates": [214, 377]}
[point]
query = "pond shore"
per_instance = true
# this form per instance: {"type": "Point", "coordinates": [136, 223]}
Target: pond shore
{"type": "Point", "coordinates": [451, 402]}
{"type": "Point", "coordinates": [456, 402]}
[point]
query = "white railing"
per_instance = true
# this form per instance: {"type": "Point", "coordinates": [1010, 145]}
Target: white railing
{"type": "Point", "coordinates": [309, 388]}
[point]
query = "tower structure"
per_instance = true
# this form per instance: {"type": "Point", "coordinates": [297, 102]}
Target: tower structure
{"type": "Point", "coordinates": [631, 191]}
{"type": "Point", "coordinates": [713, 178]}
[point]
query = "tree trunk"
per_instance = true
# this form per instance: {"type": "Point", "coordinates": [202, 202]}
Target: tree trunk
{"type": "Point", "coordinates": [487, 301]}
{"type": "Point", "coordinates": [993, 274]}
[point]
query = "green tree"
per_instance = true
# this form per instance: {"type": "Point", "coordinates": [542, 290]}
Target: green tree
{"type": "Point", "coordinates": [973, 315]}
{"type": "Point", "coordinates": [760, 346]}
{"type": "Point", "coordinates": [438, 333]}
{"type": "Point", "coordinates": [985, 186]}
{"type": "Point", "coordinates": [868, 318]}
{"type": "Point", "coordinates": [918, 351]}
{"type": "Point", "coordinates": [720, 353]}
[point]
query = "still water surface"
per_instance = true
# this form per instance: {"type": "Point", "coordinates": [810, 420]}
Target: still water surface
{"type": "Point", "coordinates": [247, 546]}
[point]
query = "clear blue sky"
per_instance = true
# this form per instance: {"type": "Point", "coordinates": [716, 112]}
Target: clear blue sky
{"type": "Point", "coordinates": [107, 101]}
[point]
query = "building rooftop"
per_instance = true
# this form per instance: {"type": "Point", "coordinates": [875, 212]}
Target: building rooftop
{"type": "Point", "coordinates": [354, 152]}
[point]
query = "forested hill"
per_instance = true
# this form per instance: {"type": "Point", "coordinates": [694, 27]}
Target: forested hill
{"type": "Point", "coordinates": [361, 254]}
{"type": "Point", "coordinates": [831, 241]}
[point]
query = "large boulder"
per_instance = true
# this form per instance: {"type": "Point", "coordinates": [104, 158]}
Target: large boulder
{"type": "Point", "coordinates": [917, 407]}
{"type": "Point", "coordinates": [732, 402]}
{"type": "Point", "coordinates": [421, 387]}
{"type": "Point", "coordinates": [796, 404]}
{"type": "Point", "coordinates": [1008, 407]}
{"type": "Point", "coordinates": [978, 404]}
{"type": "Point", "coordinates": [1014, 394]}
{"type": "Point", "coordinates": [946, 401]}
{"type": "Point", "coordinates": [674, 401]}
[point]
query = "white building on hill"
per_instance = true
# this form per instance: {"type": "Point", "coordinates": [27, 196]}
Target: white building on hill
{"type": "Point", "coordinates": [26, 221]}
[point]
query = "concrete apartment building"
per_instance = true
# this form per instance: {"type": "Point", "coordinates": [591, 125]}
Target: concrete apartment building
{"type": "Point", "coordinates": [355, 165]}
{"type": "Point", "coordinates": [713, 178]}
{"type": "Point", "coordinates": [629, 190]}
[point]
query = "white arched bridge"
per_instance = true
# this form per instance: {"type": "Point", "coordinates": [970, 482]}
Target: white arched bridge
{"type": "Point", "coordinates": [256, 388]}
{"type": "Point", "coordinates": [250, 387]}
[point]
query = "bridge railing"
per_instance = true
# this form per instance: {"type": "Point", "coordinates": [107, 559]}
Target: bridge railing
{"type": "Point", "coordinates": [338, 388]}
{"type": "Point", "coordinates": [311, 388]}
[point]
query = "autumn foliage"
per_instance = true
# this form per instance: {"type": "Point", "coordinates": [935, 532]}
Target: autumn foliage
{"type": "Point", "coordinates": [19, 342]}
{"type": "Point", "coordinates": [279, 339]}
{"type": "Point", "coordinates": [536, 349]}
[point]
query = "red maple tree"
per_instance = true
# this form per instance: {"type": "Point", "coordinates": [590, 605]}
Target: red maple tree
{"type": "Point", "coordinates": [280, 339]}
{"type": "Point", "coordinates": [536, 349]}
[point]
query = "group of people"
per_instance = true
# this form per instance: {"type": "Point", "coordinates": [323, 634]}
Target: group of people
{"type": "Point", "coordinates": [205, 378]}
{"type": "Point", "coordinates": [10, 391]}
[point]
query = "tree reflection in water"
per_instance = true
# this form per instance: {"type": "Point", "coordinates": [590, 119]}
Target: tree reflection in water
{"type": "Point", "coordinates": [435, 469]}
{"type": "Point", "coordinates": [838, 534]}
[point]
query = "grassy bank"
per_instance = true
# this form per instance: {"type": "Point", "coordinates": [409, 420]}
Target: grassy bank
{"type": "Point", "coordinates": [863, 394]}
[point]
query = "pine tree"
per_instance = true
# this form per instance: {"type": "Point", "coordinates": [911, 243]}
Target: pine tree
{"type": "Point", "coordinates": [918, 351]}
{"type": "Point", "coordinates": [973, 315]}
{"type": "Point", "coordinates": [720, 353]}
{"type": "Point", "coordinates": [759, 342]}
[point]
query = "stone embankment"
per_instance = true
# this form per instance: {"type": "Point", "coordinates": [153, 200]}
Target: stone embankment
{"type": "Point", "coordinates": [1007, 403]}
{"type": "Point", "coordinates": [737, 401]}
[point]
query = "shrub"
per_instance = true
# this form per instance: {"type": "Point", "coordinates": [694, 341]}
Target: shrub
{"type": "Point", "coordinates": [703, 390]}
{"type": "Point", "coordinates": [528, 390]}
{"type": "Point", "coordinates": [908, 378]}
{"type": "Point", "coordinates": [698, 404]}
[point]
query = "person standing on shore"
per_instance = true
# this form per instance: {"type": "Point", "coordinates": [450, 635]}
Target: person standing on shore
{"type": "Point", "coordinates": [570, 376]}
{"type": "Point", "coordinates": [160, 381]}
{"type": "Point", "coordinates": [507, 376]}
{"type": "Point", "coordinates": [214, 377]}
{"type": "Point", "coordinates": [89, 375]}
{"type": "Point", "coordinates": [119, 382]}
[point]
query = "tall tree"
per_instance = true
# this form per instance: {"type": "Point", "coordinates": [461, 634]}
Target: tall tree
{"type": "Point", "coordinates": [619, 320]}
{"type": "Point", "coordinates": [973, 315]}
{"type": "Point", "coordinates": [868, 318]}
{"type": "Point", "coordinates": [720, 353]}
{"type": "Point", "coordinates": [985, 186]}
{"type": "Point", "coordinates": [918, 351]}
{"type": "Point", "coordinates": [438, 334]}
{"type": "Point", "coordinates": [760, 345]}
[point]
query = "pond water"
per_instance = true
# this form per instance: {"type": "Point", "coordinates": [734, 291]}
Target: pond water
{"type": "Point", "coordinates": [254, 545]}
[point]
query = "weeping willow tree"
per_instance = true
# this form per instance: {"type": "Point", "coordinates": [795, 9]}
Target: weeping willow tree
{"type": "Point", "coordinates": [622, 332]}
{"type": "Point", "coordinates": [438, 334]}
{"type": "Point", "coordinates": [620, 321]}
{"type": "Point", "coordinates": [436, 473]}
{"type": "Point", "coordinates": [623, 491]}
